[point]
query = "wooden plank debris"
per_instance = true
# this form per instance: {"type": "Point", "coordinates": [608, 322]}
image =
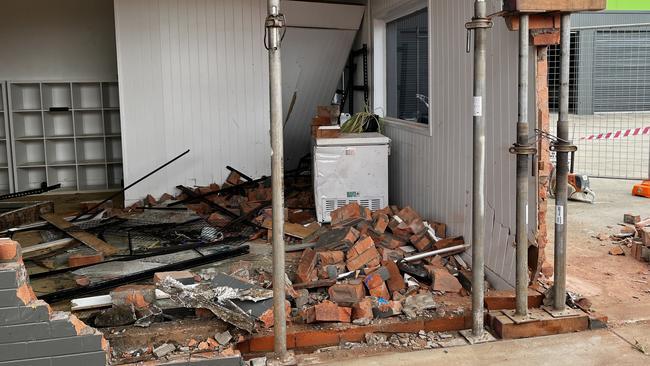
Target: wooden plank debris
{"type": "Point", "coordinates": [81, 235]}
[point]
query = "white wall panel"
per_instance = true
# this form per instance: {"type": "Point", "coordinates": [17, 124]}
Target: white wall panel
{"type": "Point", "coordinates": [434, 173]}
{"type": "Point", "coordinates": [193, 75]}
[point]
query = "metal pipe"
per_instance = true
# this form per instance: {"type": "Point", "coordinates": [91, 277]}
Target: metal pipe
{"type": "Point", "coordinates": [274, 25]}
{"type": "Point", "coordinates": [417, 257]}
{"type": "Point", "coordinates": [478, 170]}
{"type": "Point", "coordinates": [562, 169]}
{"type": "Point", "coordinates": [521, 308]}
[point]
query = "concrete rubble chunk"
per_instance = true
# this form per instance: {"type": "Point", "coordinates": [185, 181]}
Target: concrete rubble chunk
{"type": "Point", "coordinates": [163, 350]}
{"type": "Point", "coordinates": [223, 338]}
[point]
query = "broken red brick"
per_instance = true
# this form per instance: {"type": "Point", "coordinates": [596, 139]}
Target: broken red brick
{"type": "Point", "coordinates": [328, 311]}
{"type": "Point", "coordinates": [380, 291]}
{"type": "Point", "coordinates": [151, 201]}
{"type": "Point", "coordinates": [362, 309]}
{"type": "Point", "coordinates": [380, 223]}
{"type": "Point", "coordinates": [140, 296]}
{"type": "Point", "coordinates": [331, 257]}
{"type": "Point", "coordinates": [204, 346]}
{"type": "Point", "coordinates": [395, 282]}
{"type": "Point", "coordinates": [616, 250]}
{"type": "Point", "coordinates": [26, 294]}
{"type": "Point", "coordinates": [449, 242]}
{"type": "Point", "coordinates": [363, 227]}
{"type": "Point", "coordinates": [408, 214]}
{"type": "Point", "coordinates": [9, 250]}
{"type": "Point", "coordinates": [165, 197]}
{"type": "Point", "coordinates": [305, 271]}
{"type": "Point", "coordinates": [422, 243]}
{"type": "Point", "coordinates": [347, 293]}
{"type": "Point", "coordinates": [260, 194]}
{"type": "Point", "coordinates": [369, 258]}
{"type": "Point", "coordinates": [184, 277]}
{"type": "Point", "coordinates": [212, 343]}
{"type": "Point", "coordinates": [77, 260]}
{"type": "Point", "coordinates": [233, 178]}
{"type": "Point", "coordinates": [444, 281]}
{"type": "Point", "coordinates": [350, 214]}
{"type": "Point", "coordinates": [363, 244]}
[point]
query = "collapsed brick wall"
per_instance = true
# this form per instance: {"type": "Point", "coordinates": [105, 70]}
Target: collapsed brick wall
{"type": "Point", "coordinates": [31, 334]}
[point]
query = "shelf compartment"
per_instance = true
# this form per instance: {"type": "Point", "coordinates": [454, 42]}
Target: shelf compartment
{"type": "Point", "coordinates": [114, 149]}
{"type": "Point", "coordinates": [91, 151]}
{"type": "Point", "coordinates": [30, 178]}
{"type": "Point", "coordinates": [26, 96]}
{"type": "Point", "coordinates": [4, 181]}
{"type": "Point", "coordinates": [30, 153]}
{"type": "Point", "coordinates": [28, 124]}
{"type": "Point", "coordinates": [3, 131]}
{"type": "Point", "coordinates": [88, 123]}
{"type": "Point", "coordinates": [92, 177]}
{"type": "Point", "coordinates": [86, 96]}
{"type": "Point", "coordinates": [58, 124]}
{"type": "Point", "coordinates": [111, 95]}
{"type": "Point", "coordinates": [60, 151]}
{"type": "Point", "coordinates": [4, 158]}
{"type": "Point", "coordinates": [112, 124]}
{"type": "Point", "coordinates": [115, 176]}
{"type": "Point", "coordinates": [66, 175]}
{"type": "Point", "coordinates": [56, 95]}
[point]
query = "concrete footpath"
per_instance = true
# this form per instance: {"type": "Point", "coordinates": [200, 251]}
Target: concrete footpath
{"type": "Point", "coordinates": [601, 347]}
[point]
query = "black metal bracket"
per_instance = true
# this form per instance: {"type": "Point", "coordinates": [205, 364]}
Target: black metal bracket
{"type": "Point", "coordinates": [44, 188]}
{"type": "Point", "coordinates": [563, 147]}
{"type": "Point", "coordinates": [519, 149]}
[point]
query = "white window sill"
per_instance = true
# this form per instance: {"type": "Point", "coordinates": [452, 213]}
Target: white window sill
{"type": "Point", "coordinates": [414, 127]}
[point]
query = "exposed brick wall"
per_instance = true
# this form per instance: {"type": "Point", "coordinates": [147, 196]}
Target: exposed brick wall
{"type": "Point", "coordinates": [544, 157]}
{"type": "Point", "coordinates": [31, 334]}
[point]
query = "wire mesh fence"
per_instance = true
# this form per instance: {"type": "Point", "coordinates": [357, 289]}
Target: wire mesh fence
{"type": "Point", "coordinates": [609, 99]}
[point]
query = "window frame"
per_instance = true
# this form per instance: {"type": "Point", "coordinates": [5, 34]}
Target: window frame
{"type": "Point", "coordinates": [379, 22]}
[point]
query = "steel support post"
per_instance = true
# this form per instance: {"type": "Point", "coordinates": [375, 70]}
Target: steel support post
{"type": "Point", "coordinates": [562, 170]}
{"type": "Point", "coordinates": [274, 26]}
{"type": "Point", "coordinates": [478, 168]}
{"type": "Point", "coordinates": [521, 308]}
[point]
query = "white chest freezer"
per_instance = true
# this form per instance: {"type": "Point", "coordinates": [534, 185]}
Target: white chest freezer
{"type": "Point", "coordinates": [350, 168]}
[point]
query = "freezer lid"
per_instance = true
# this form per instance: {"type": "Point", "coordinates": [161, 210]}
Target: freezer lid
{"type": "Point", "coordinates": [351, 139]}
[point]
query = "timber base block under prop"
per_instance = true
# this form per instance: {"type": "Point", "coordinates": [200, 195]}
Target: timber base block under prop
{"type": "Point", "coordinates": [307, 337]}
{"type": "Point", "coordinates": [543, 325]}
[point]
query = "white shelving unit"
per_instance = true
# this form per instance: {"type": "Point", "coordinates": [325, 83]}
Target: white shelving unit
{"type": "Point", "coordinates": [6, 173]}
{"type": "Point", "coordinates": [65, 132]}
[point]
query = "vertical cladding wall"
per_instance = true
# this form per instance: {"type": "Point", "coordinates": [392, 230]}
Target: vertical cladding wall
{"type": "Point", "coordinates": [434, 173]}
{"type": "Point", "coordinates": [193, 74]}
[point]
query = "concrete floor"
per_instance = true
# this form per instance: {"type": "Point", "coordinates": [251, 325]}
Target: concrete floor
{"type": "Point", "coordinates": [618, 286]}
{"type": "Point", "coordinates": [602, 347]}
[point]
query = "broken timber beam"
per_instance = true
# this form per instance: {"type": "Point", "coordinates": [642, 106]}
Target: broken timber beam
{"type": "Point", "coordinates": [81, 235]}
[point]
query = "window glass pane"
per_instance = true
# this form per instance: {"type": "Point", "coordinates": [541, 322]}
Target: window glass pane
{"type": "Point", "coordinates": [407, 68]}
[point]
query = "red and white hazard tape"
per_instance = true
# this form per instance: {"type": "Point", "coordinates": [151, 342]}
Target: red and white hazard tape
{"type": "Point", "coordinates": [619, 134]}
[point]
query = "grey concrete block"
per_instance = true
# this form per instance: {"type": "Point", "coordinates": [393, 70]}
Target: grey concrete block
{"type": "Point", "coordinates": [29, 362]}
{"type": "Point", "coordinates": [56, 347]}
{"type": "Point", "coordinates": [25, 314]}
{"type": "Point", "coordinates": [60, 328]}
{"type": "Point", "coordinates": [24, 332]}
{"type": "Point", "coordinates": [13, 351]}
{"type": "Point", "coordinates": [9, 298]}
{"type": "Point", "coordinates": [10, 315]}
{"type": "Point", "coordinates": [8, 279]}
{"type": "Point", "coordinates": [92, 343]}
{"type": "Point", "coordinates": [82, 359]}
{"type": "Point", "coordinates": [50, 348]}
